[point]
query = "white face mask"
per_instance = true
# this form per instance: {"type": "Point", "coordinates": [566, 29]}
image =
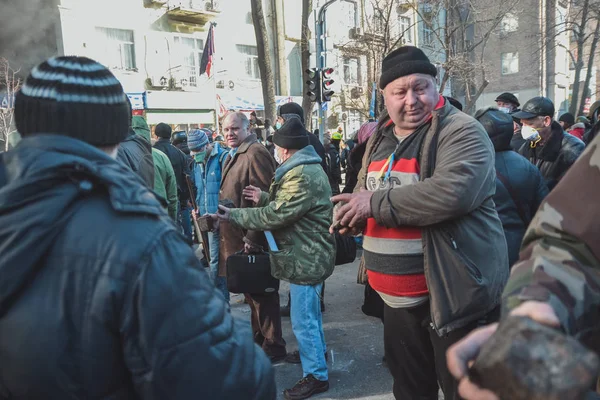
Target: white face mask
{"type": "Point", "coordinates": [504, 109]}
{"type": "Point", "coordinates": [278, 159]}
{"type": "Point", "coordinates": [529, 133]}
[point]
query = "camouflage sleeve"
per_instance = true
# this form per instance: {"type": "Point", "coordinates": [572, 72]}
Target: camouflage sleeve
{"type": "Point", "coordinates": [560, 257]}
{"type": "Point", "coordinates": [292, 201]}
{"type": "Point", "coordinates": [264, 199]}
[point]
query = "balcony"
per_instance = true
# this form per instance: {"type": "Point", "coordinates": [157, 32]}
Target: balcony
{"type": "Point", "coordinates": [193, 11]}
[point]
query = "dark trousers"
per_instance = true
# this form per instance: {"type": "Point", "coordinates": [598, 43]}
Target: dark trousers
{"type": "Point", "coordinates": [416, 355]}
{"type": "Point", "coordinates": [266, 322]}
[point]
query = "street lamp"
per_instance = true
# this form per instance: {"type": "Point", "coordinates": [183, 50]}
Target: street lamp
{"type": "Point", "coordinates": [321, 47]}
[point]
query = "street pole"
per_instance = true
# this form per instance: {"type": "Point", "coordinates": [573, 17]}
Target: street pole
{"type": "Point", "coordinates": [321, 50]}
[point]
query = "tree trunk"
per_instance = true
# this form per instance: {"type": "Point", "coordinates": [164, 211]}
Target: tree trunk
{"type": "Point", "coordinates": [590, 65]}
{"type": "Point", "coordinates": [580, 35]}
{"type": "Point", "coordinates": [307, 105]}
{"type": "Point", "coordinates": [280, 43]}
{"type": "Point", "coordinates": [265, 67]}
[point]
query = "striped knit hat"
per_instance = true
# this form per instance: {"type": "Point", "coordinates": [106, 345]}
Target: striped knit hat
{"type": "Point", "coordinates": [76, 97]}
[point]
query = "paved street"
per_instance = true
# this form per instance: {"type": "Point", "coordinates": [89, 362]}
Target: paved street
{"type": "Point", "coordinates": [354, 341]}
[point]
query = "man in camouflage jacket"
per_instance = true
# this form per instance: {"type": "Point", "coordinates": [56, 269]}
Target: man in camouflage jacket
{"type": "Point", "coordinates": [298, 211]}
{"type": "Point", "coordinates": [557, 279]}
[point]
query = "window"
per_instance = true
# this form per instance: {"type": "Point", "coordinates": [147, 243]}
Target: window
{"type": "Point", "coordinates": [428, 23]}
{"type": "Point", "coordinates": [350, 14]}
{"type": "Point", "coordinates": [351, 71]}
{"type": "Point", "coordinates": [116, 48]}
{"type": "Point", "coordinates": [189, 50]}
{"type": "Point", "coordinates": [378, 21]}
{"type": "Point", "coordinates": [406, 29]}
{"type": "Point", "coordinates": [510, 23]}
{"type": "Point", "coordinates": [510, 63]}
{"type": "Point", "coordinates": [249, 61]}
{"type": "Point", "coordinates": [354, 121]}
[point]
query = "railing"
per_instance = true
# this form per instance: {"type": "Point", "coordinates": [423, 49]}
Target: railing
{"type": "Point", "coordinates": [200, 5]}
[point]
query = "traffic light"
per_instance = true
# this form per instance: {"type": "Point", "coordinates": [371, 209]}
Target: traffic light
{"type": "Point", "coordinates": [313, 84]}
{"type": "Point", "coordinates": [326, 83]}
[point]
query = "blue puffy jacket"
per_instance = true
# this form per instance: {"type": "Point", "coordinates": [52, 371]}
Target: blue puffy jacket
{"type": "Point", "coordinates": [207, 178]}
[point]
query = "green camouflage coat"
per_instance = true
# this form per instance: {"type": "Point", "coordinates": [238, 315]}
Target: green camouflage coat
{"type": "Point", "coordinates": [298, 211]}
{"type": "Point", "coordinates": [560, 254]}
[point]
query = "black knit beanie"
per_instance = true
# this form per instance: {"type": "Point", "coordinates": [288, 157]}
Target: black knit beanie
{"type": "Point", "coordinates": [291, 135]}
{"type": "Point", "coordinates": [291, 108]}
{"type": "Point", "coordinates": [76, 97]}
{"type": "Point", "coordinates": [163, 131]}
{"type": "Point", "coordinates": [404, 61]}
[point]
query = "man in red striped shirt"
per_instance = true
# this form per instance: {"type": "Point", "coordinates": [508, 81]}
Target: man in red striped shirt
{"type": "Point", "coordinates": [434, 247]}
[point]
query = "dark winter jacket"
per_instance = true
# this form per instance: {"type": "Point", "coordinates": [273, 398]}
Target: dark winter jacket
{"type": "Point", "coordinates": [353, 167]}
{"type": "Point", "coordinates": [591, 133]}
{"type": "Point", "coordinates": [556, 156]}
{"type": "Point", "coordinates": [316, 143]}
{"type": "Point", "coordinates": [334, 170]}
{"type": "Point", "coordinates": [520, 188]}
{"type": "Point", "coordinates": [100, 296]}
{"type": "Point", "coordinates": [181, 166]}
{"type": "Point", "coordinates": [136, 153]}
{"type": "Point", "coordinates": [464, 250]}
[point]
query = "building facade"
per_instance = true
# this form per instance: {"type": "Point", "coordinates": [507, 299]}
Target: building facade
{"type": "Point", "coordinates": [527, 55]}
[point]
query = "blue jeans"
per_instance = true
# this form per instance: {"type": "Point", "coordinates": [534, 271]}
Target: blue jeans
{"type": "Point", "coordinates": [219, 281]}
{"type": "Point", "coordinates": [185, 220]}
{"type": "Point", "coordinates": [307, 324]}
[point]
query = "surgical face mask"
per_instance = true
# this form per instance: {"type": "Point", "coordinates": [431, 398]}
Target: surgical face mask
{"type": "Point", "coordinates": [529, 133]}
{"type": "Point", "coordinates": [278, 125]}
{"type": "Point", "coordinates": [505, 110]}
{"type": "Point", "coordinates": [278, 158]}
{"type": "Point", "coordinates": [200, 156]}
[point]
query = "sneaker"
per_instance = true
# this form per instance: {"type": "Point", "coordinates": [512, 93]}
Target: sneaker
{"type": "Point", "coordinates": [305, 388]}
{"type": "Point", "coordinates": [294, 357]}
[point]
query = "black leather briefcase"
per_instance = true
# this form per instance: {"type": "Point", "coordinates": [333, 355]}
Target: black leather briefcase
{"type": "Point", "coordinates": [250, 273]}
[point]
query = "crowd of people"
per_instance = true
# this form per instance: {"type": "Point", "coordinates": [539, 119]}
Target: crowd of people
{"type": "Point", "coordinates": [103, 294]}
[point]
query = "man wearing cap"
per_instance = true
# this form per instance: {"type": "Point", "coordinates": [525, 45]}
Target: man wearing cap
{"type": "Point", "coordinates": [434, 247]}
{"type": "Point", "coordinates": [507, 102]}
{"type": "Point", "coordinates": [297, 210]}
{"type": "Point", "coordinates": [294, 110]}
{"type": "Point", "coordinates": [547, 145]}
{"type": "Point", "coordinates": [100, 296]}
{"type": "Point", "coordinates": [249, 163]}
{"type": "Point", "coordinates": [566, 121]}
{"type": "Point", "coordinates": [207, 167]}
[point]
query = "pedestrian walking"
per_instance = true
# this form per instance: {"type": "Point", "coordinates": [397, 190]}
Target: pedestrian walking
{"type": "Point", "coordinates": [297, 210]}
{"type": "Point", "coordinates": [433, 245]}
{"type": "Point", "coordinates": [101, 297]}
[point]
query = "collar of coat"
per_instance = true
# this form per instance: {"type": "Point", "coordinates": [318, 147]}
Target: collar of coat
{"type": "Point", "coordinates": [245, 145]}
{"type": "Point", "coordinates": [304, 156]}
{"type": "Point", "coordinates": [55, 160]}
{"type": "Point", "coordinates": [551, 149]}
